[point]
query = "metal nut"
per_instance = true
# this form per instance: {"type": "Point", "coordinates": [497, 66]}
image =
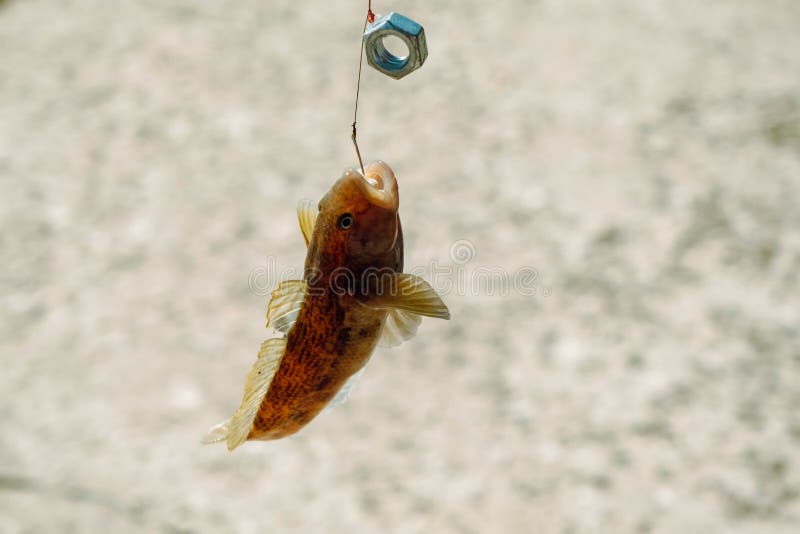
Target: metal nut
{"type": "Point", "coordinates": [411, 33]}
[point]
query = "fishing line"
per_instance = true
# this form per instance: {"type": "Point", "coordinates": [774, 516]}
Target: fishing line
{"type": "Point", "coordinates": [370, 17]}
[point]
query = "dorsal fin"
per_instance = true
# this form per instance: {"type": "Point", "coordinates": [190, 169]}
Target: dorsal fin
{"type": "Point", "coordinates": [400, 326]}
{"type": "Point", "coordinates": [285, 304]}
{"type": "Point", "coordinates": [236, 430]}
{"type": "Point", "coordinates": [307, 217]}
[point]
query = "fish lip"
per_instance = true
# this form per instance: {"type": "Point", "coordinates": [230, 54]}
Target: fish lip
{"type": "Point", "coordinates": [378, 184]}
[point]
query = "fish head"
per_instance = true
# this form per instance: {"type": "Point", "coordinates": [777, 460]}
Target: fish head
{"type": "Point", "coordinates": [358, 225]}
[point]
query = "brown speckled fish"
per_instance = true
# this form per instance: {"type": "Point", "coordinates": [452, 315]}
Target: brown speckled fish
{"type": "Point", "coordinates": [354, 296]}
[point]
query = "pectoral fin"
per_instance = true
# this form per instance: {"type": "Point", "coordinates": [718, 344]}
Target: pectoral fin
{"type": "Point", "coordinates": [307, 217]}
{"type": "Point", "coordinates": [409, 293]}
{"type": "Point", "coordinates": [400, 326]}
{"type": "Point", "coordinates": [236, 430]}
{"type": "Point", "coordinates": [285, 304]}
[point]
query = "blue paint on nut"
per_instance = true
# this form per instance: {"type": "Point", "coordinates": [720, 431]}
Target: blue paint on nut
{"type": "Point", "coordinates": [408, 31]}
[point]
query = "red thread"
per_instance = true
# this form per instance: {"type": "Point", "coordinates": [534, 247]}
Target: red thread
{"type": "Point", "coordinates": [370, 16]}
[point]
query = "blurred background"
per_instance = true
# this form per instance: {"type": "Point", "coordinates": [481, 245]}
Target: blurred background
{"type": "Point", "coordinates": [641, 158]}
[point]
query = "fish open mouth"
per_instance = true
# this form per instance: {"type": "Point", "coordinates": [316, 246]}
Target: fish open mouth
{"type": "Point", "coordinates": [380, 185]}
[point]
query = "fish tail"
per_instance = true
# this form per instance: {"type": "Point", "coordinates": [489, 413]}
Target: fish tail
{"type": "Point", "coordinates": [236, 430]}
{"type": "Point", "coordinates": [217, 433]}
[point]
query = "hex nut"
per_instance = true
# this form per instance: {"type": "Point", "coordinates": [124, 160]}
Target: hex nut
{"type": "Point", "coordinates": [411, 33]}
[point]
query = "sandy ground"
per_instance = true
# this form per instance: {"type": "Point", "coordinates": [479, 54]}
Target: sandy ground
{"type": "Point", "coordinates": [642, 157]}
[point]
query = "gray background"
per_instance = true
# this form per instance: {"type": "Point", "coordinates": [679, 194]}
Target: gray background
{"type": "Point", "coordinates": [643, 157]}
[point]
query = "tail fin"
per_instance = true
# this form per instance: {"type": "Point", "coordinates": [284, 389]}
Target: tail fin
{"type": "Point", "coordinates": [236, 430]}
{"type": "Point", "coordinates": [216, 433]}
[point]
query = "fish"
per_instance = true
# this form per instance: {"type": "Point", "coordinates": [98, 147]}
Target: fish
{"type": "Point", "coordinates": [353, 297]}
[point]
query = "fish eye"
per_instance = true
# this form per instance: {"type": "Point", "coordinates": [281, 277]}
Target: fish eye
{"type": "Point", "coordinates": [344, 221]}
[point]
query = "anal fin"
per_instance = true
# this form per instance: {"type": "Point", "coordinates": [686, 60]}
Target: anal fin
{"type": "Point", "coordinates": [344, 393]}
